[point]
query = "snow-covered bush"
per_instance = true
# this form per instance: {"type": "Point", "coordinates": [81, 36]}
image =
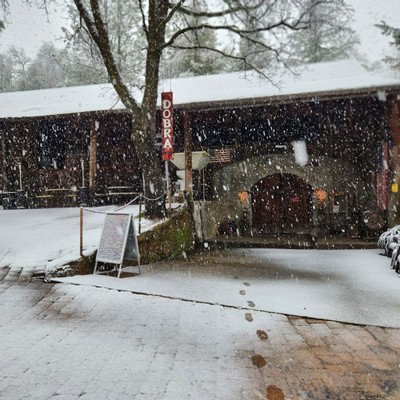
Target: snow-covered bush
{"type": "Point", "coordinates": [388, 240]}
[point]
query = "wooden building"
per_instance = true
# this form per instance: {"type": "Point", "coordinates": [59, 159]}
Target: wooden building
{"type": "Point", "coordinates": [56, 157]}
{"type": "Point", "coordinates": [320, 150]}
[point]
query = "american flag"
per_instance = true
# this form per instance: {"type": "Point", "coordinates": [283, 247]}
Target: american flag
{"type": "Point", "coordinates": [224, 155]}
{"type": "Point", "coordinates": [382, 176]}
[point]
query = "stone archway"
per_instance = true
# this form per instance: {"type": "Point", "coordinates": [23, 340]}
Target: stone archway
{"type": "Point", "coordinates": [281, 203]}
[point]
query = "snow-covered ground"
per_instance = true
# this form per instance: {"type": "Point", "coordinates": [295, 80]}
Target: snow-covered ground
{"type": "Point", "coordinates": [47, 238]}
{"type": "Point", "coordinates": [355, 286]}
{"type": "Point", "coordinates": [344, 285]}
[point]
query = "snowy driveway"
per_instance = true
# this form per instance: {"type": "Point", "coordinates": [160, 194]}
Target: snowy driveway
{"type": "Point", "coordinates": [355, 286]}
{"type": "Point", "coordinates": [343, 285]}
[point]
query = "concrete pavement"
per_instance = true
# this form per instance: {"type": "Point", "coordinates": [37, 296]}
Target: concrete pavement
{"type": "Point", "coordinates": [62, 341]}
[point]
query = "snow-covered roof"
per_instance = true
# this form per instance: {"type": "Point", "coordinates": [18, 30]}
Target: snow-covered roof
{"type": "Point", "coordinates": [55, 101]}
{"type": "Point", "coordinates": [312, 79]}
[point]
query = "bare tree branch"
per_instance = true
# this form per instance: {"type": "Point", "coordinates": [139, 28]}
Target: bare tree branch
{"type": "Point", "coordinates": [244, 59]}
{"type": "Point", "coordinates": [244, 33]}
{"type": "Point", "coordinates": [99, 34]}
{"type": "Point", "coordinates": [175, 8]}
{"type": "Point", "coordinates": [144, 24]}
{"type": "Point", "coordinates": [222, 13]}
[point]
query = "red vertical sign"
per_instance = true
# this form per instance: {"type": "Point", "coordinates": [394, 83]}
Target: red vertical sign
{"type": "Point", "coordinates": [167, 126]}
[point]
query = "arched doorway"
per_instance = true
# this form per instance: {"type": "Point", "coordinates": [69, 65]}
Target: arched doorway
{"type": "Point", "coordinates": [281, 203]}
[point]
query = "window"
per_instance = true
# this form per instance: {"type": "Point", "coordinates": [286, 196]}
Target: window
{"type": "Point", "coordinates": [50, 144]}
{"type": "Point", "coordinates": [214, 136]}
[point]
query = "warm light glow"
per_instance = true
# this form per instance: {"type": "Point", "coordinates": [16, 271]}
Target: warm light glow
{"type": "Point", "coordinates": [321, 195]}
{"type": "Point", "coordinates": [243, 197]}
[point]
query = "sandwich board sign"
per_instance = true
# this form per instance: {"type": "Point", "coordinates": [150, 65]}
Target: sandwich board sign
{"type": "Point", "coordinates": [118, 242]}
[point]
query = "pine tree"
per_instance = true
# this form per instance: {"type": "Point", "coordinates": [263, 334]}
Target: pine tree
{"type": "Point", "coordinates": [249, 51]}
{"type": "Point", "coordinates": [6, 73]}
{"type": "Point", "coordinates": [44, 71]}
{"type": "Point", "coordinates": [393, 61]}
{"type": "Point", "coordinates": [191, 53]}
{"type": "Point", "coordinates": [329, 36]}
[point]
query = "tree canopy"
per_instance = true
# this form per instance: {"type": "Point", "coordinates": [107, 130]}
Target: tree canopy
{"type": "Point", "coordinates": [329, 36]}
{"type": "Point", "coordinates": [324, 34]}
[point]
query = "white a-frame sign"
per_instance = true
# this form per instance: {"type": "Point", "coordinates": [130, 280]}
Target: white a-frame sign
{"type": "Point", "coordinates": [118, 242]}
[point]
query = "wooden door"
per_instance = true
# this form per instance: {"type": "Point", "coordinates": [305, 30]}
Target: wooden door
{"type": "Point", "coordinates": [281, 203]}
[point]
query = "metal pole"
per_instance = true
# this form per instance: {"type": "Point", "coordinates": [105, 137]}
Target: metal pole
{"type": "Point", "coordinates": [20, 175]}
{"type": "Point", "coordinates": [83, 172]}
{"type": "Point", "coordinates": [81, 231]}
{"type": "Point", "coordinates": [204, 186]}
{"type": "Point", "coordinates": [140, 211]}
{"type": "Point", "coordinates": [168, 184]}
{"type": "Point", "coordinates": [188, 153]}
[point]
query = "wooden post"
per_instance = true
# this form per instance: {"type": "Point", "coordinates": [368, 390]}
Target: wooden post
{"type": "Point", "coordinates": [188, 153]}
{"type": "Point", "coordinates": [3, 170]}
{"type": "Point", "coordinates": [81, 231]}
{"type": "Point", "coordinates": [92, 156]}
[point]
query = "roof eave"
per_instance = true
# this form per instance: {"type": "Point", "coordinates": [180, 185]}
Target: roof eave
{"type": "Point", "coordinates": [289, 98]}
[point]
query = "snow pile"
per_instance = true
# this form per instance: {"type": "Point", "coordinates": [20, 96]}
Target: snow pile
{"type": "Point", "coordinates": [300, 152]}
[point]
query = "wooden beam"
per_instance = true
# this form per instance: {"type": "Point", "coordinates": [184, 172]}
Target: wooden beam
{"type": "Point", "coordinates": [188, 153]}
{"type": "Point", "coordinates": [92, 155]}
{"type": "Point", "coordinates": [395, 121]}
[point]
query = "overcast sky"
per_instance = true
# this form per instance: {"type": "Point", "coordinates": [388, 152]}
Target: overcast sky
{"type": "Point", "coordinates": [28, 27]}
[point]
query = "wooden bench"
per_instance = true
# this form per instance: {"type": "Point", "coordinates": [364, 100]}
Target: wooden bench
{"type": "Point", "coordinates": [56, 197]}
{"type": "Point", "coordinates": [9, 200]}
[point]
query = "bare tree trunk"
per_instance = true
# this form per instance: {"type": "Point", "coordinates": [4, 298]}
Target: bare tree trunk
{"type": "Point", "coordinates": [144, 116]}
{"type": "Point", "coordinates": [144, 122]}
{"type": "Point", "coordinates": [143, 139]}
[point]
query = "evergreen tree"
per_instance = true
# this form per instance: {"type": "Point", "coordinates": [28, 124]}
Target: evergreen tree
{"type": "Point", "coordinates": [78, 70]}
{"type": "Point", "coordinates": [249, 51]}
{"type": "Point", "coordinates": [4, 8]}
{"type": "Point", "coordinates": [6, 73]}
{"type": "Point", "coordinates": [329, 35]}
{"type": "Point", "coordinates": [393, 61]}
{"type": "Point", "coordinates": [44, 71]}
{"type": "Point", "coordinates": [190, 54]}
